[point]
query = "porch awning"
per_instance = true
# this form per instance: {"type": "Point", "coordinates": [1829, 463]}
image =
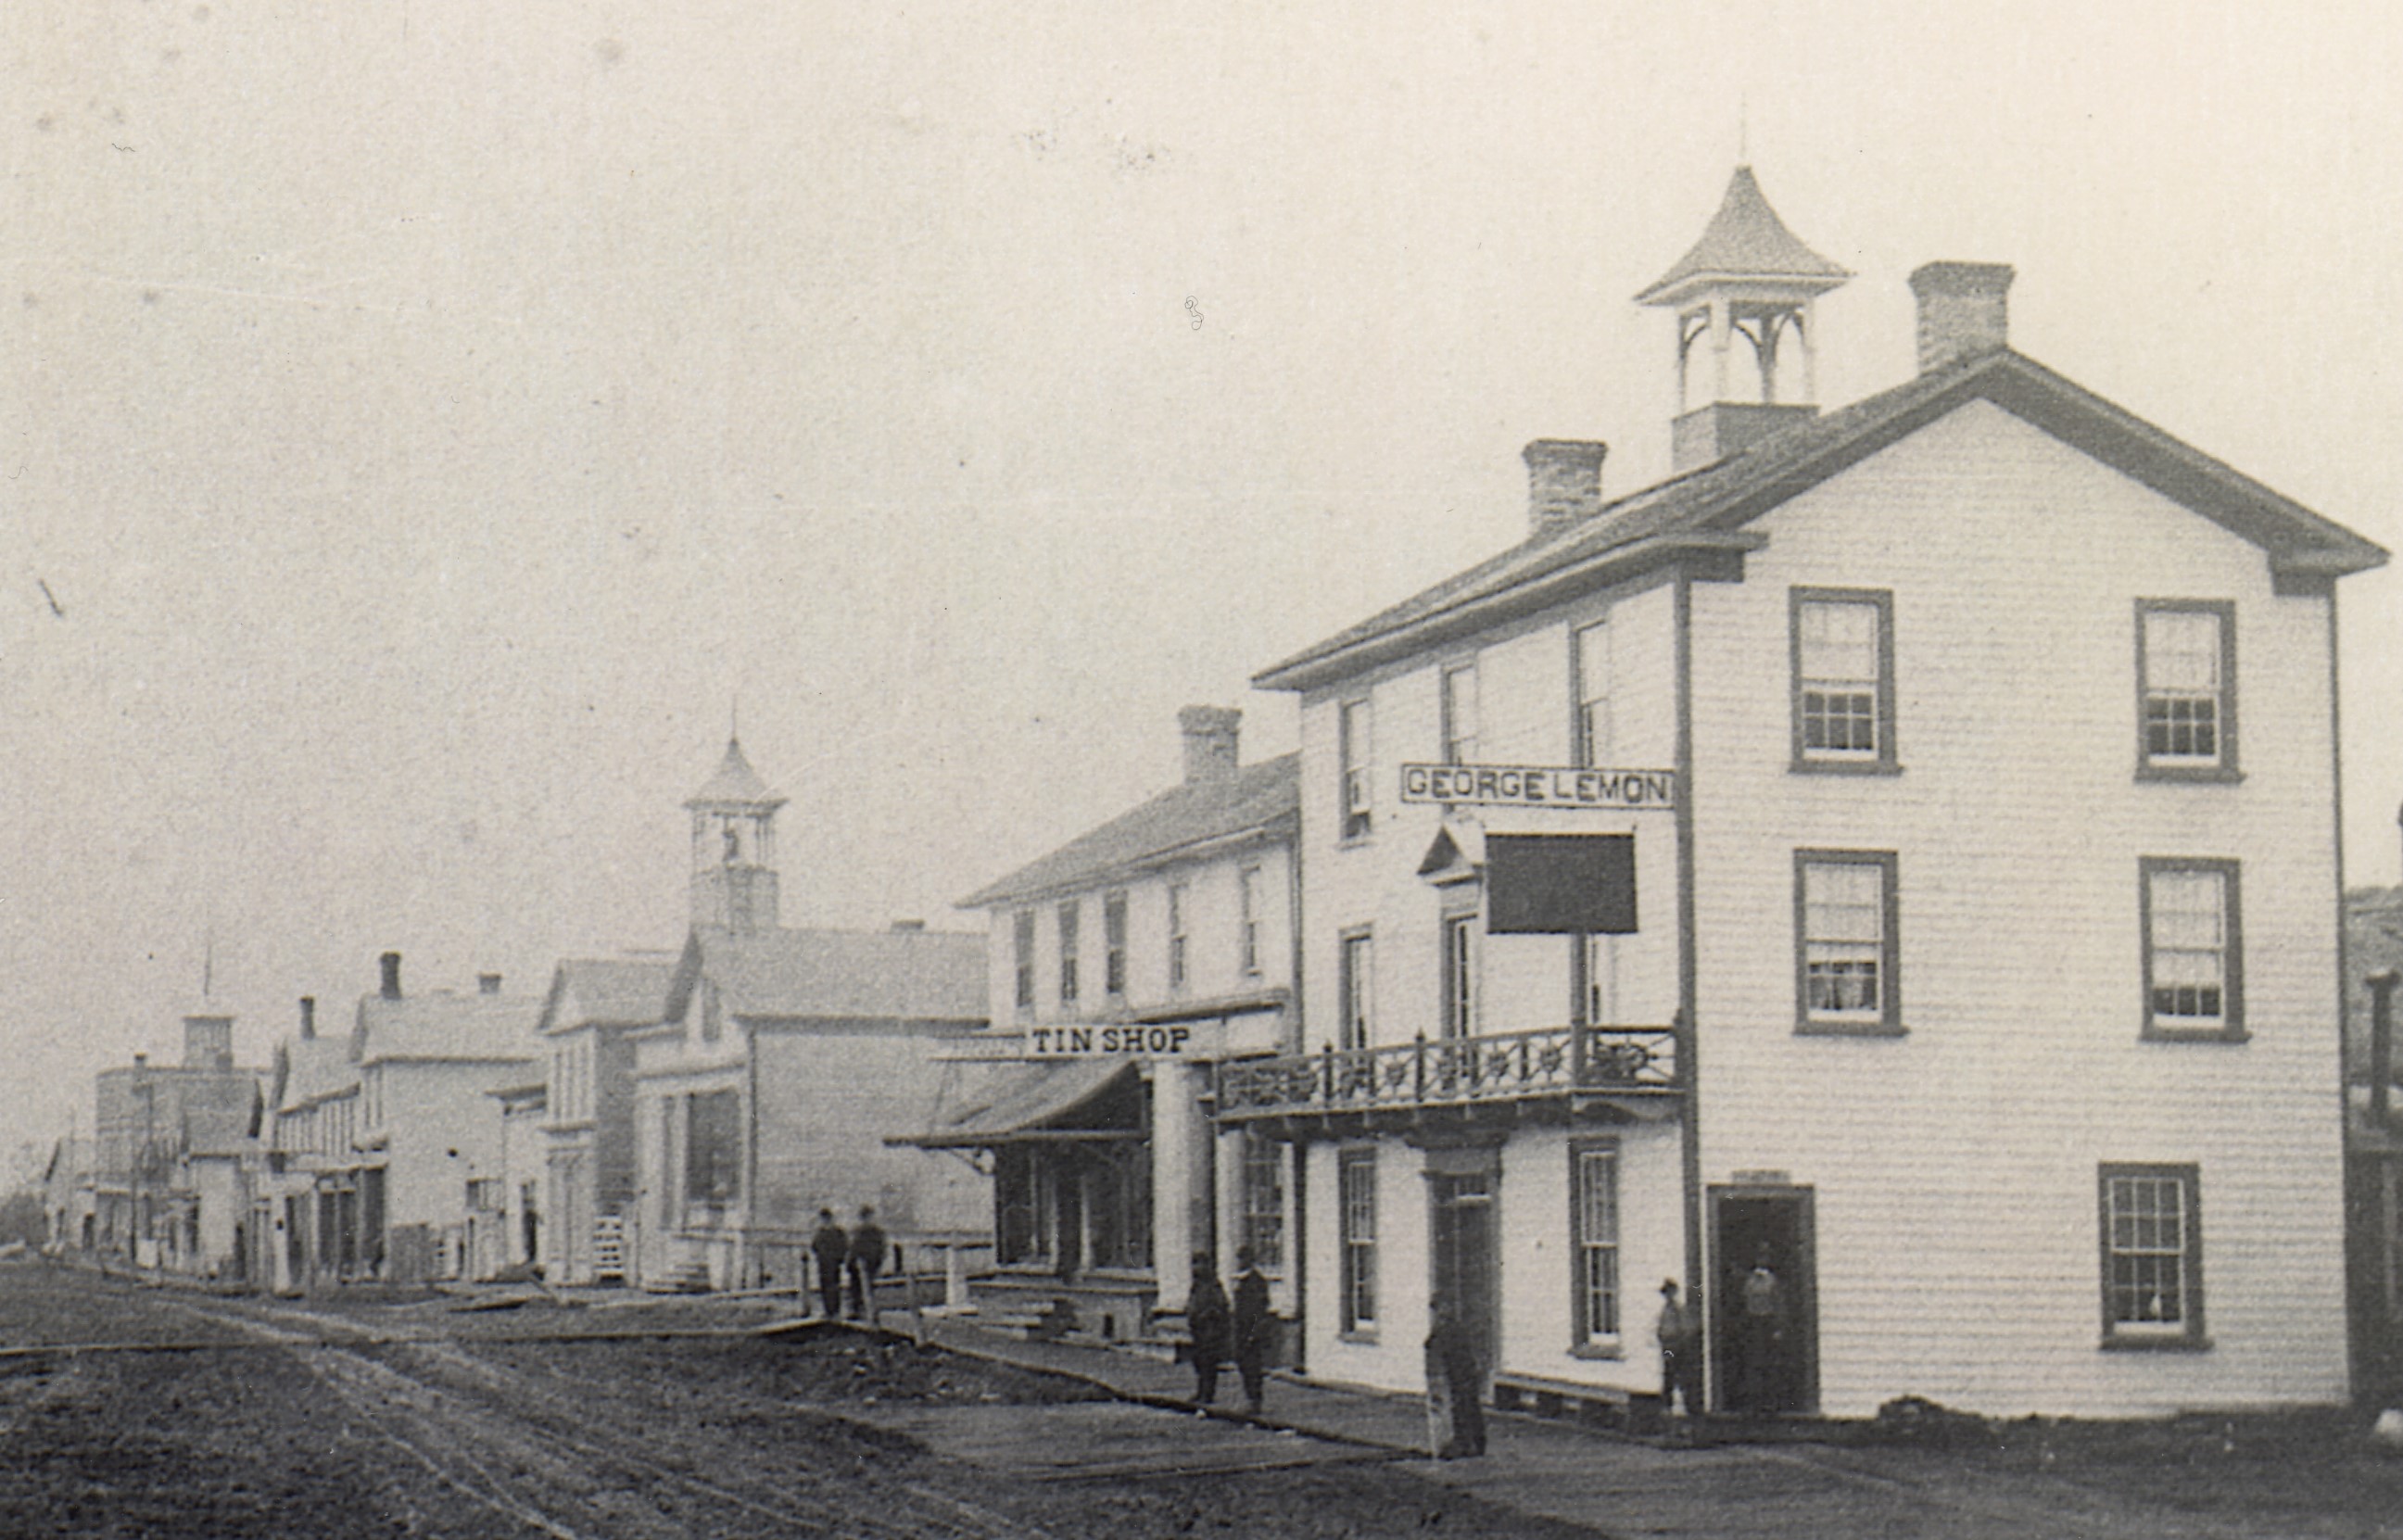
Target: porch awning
{"type": "Point", "coordinates": [1029, 1103]}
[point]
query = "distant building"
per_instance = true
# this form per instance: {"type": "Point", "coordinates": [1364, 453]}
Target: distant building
{"type": "Point", "coordinates": [309, 1202]}
{"type": "Point", "coordinates": [2374, 1144]}
{"type": "Point", "coordinates": [589, 1019]}
{"type": "Point", "coordinates": [67, 1213]}
{"type": "Point", "coordinates": [783, 1059]}
{"type": "Point", "coordinates": [1884, 876]}
{"type": "Point", "coordinates": [151, 1204]}
{"type": "Point", "coordinates": [1129, 963]}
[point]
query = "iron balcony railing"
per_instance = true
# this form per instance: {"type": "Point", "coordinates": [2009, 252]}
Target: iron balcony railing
{"type": "Point", "coordinates": [1453, 1072]}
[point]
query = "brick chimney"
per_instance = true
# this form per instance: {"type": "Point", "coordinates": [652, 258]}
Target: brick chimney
{"type": "Point", "coordinates": [308, 1019]}
{"type": "Point", "coordinates": [1564, 482]}
{"type": "Point", "coordinates": [391, 962]}
{"type": "Point", "coordinates": [488, 983]}
{"type": "Point", "coordinates": [1963, 311]}
{"type": "Point", "coordinates": [1212, 746]}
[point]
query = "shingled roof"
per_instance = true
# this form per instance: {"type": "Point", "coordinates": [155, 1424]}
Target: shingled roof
{"type": "Point", "coordinates": [1746, 239]}
{"type": "Point", "coordinates": [1703, 514]}
{"type": "Point", "coordinates": [835, 974]}
{"type": "Point", "coordinates": [446, 1026]}
{"type": "Point", "coordinates": [1180, 822]}
{"type": "Point", "coordinates": [608, 992]}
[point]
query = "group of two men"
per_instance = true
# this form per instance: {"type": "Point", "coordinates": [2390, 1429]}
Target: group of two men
{"type": "Point", "coordinates": [858, 1253]}
{"type": "Point", "coordinates": [1220, 1332]}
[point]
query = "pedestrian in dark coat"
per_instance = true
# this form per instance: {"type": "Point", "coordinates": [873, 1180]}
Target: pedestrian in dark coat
{"type": "Point", "coordinates": [1207, 1318]}
{"type": "Point", "coordinates": [1455, 1388]}
{"type": "Point", "coordinates": [830, 1246]}
{"type": "Point", "coordinates": [867, 1261]}
{"type": "Point", "coordinates": [1253, 1325]}
{"type": "Point", "coordinates": [1681, 1353]}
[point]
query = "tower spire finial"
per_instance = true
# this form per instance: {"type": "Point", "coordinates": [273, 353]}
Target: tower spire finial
{"type": "Point", "coordinates": [1744, 131]}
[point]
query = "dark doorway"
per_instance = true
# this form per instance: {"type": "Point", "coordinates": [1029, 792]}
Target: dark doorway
{"type": "Point", "coordinates": [1463, 1252]}
{"type": "Point", "coordinates": [1764, 1306]}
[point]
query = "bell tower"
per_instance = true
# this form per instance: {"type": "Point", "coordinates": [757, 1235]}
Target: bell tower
{"type": "Point", "coordinates": [1747, 332]}
{"type": "Point", "coordinates": [734, 847]}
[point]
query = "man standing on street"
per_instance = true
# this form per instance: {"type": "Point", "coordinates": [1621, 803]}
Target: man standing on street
{"type": "Point", "coordinates": [1681, 1353]}
{"type": "Point", "coordinates": [1206, 1321]}
{"type": "Point", "coordinates": [829, 1245]}
{"type": "Point", "coordinates": [867, 1261]}
{"type": "Point", "coordinates": [1251, 1326]}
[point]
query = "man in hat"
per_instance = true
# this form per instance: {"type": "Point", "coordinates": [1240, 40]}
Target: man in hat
{"type": "Point", "coordinates": [830, 1246]}
{"type": "Point", "coordinates": [1681, 1353]}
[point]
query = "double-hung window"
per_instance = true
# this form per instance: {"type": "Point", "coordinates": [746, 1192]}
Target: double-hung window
{"type": "Point", "coordinates": [1264, 1200]}
{"type": "Point", "coordinates": [1177, 896]}
{"type": "Point", "coordinates": [1022, 929]}
{"type": "Point", "coordinates": [1355, 1172]}
{"type": "Point", "coordinates": [1460, 714]}
{"type": "Point", "coordinates": [1068, 952]}
{"type": "Point", "coordinates": [1843, 679]}
{"type": "Point", "coordinates": [1248, 919]}
{"type": "Point", "coordinates": [1593, 1183]}
{"type": "Point", "coordinates": [1114, 943]}
{"type": "Point", "coordinates": [2193, 959]}
{"type": "Point", "coordinates": [1356, 728]}
{"type": "Point", "coordinates": [1357, 982]}
{"type": "Point", "coordinates": [1846, 959]}
{"type": "Point", "coordinates": [1591, 665]}
{"type": "Point", "coordinates": [1460, 975]}
{"type": "Point", "coordinates": [2152, 1256]}
{"type": "Point", "coordinates": [2185, 674]}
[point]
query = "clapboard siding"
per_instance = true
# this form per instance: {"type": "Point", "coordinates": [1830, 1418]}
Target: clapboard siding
{"type": "Point", "coordinates": [1955, 1167]}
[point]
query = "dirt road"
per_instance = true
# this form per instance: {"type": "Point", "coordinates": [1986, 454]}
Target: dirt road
{"type": "Point", "coordinates": [178, 1414]}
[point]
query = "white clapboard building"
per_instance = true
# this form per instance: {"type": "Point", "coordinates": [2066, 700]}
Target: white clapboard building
{"type": "Point", "coordinates": [1896, 853]}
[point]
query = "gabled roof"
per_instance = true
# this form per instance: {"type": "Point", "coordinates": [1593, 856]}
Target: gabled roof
{"type": "Point", "coordinates": [607, 991]}
{"type": "Point", "coordinates": [1182, 822]}
{"type": "Point", "coordinates": [834, 975]}
{"type": "Point", "coordinates": [314, 1068]}
{"type": "Point", "coordinates": [1703, 514]}
{"type": "Point", "coordinates": [460, 1028]}
{"type": "Point", "coordinates": [1745, 240]}
{"type": "Point", "coordinates": [735, 784]}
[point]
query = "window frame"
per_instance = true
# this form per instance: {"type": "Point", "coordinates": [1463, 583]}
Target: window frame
{"type": "Point", "coordinates": [1356, 985]}
{"type": "Point", "coordinates": [1584, 696]}
{"type": "Point", "coordinates": [1247, 922]}
{"type": "Point", "coordinates": [1888, 1022]}
{"type": "Point", "coordinates": [2223, 766]}
{"type": "Point", "coordinates": [1069, 921]}
{"type": "Point", "coordinates": [1809, 761]}
{"type": "Point", "coordinates": [1021, 936]}
{"type": "Point", "coordinates": [1355, 755]}
{"type": "Point", "coordinates": [2127, 1336]}
{"type": "Point", "coordinates": [2230, 1027]}
{"type": "Point", "coordinates": [1179, 971]}
{"type": "Point", "coordinates": [1460, 739]}
{"type": "Point", "coordinates": [1261, 1224]}
{"type": "Point", "coordinates": [1355, 1197]}
{"type": "Point", "coordinates": [1590, 1338]}
{"type": "Point", "coordinates": [1114, 944]}
{"type": "Point", "coordinates": [1460, 964]}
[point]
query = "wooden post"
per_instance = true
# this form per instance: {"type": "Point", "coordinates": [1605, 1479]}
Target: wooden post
{"type": "Point", "coordinates": [2381, 1044]}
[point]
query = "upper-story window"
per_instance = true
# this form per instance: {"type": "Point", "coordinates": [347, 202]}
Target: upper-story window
{"type": "Point", "coordinates": [1356, 728]}
{"type": "Point", "coordinates": [1460, 976]}
{"type": "Point", "coordinates": [1177, 899]}
{"type": "Point", "coordinates": [1021, 927]}
{"type": "Point", "coordinates": [1357, 982]}
{"type": "Point", "coordinates": [2193, 961]}
{"type": "Point", "coordinates": [1114, 943]}
{"type": "Point", "coordinates": [1843, 679]}
{"type": "Point", "coordinates": [1248, 919]}
{"type": "Point", "coordinates": [2186, 675]}
{"type": "Point", "coordinates": [1460, 714]}
{"type": "Point", "coordinates": [1068, 952]}
{"type": "Point", "coordinates": [1847, 956]}
{"type": "Point", "coordinates": [1591, 665]}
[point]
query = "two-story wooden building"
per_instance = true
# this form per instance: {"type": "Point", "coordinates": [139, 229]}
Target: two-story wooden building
{"type": "Point", "coordinates": [1884, 876]}
{"type": "Point", "coordinates": [1126, 966]}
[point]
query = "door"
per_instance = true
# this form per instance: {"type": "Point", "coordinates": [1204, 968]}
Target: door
{"type": "Point", "coordinates": [1464, 1258]}
{"type": "Point", "coordinates": [1764, 1309]}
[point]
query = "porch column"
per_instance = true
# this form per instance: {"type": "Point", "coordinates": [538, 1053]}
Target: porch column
{"type": "Point", "coordinates": [1180, 1177]}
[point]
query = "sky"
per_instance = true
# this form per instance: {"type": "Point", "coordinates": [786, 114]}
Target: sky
{"type": "Point", "coordinates": [427, 427]}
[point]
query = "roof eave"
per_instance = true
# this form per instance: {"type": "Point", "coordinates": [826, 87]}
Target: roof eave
{"type": "Point", "coordinates": [1287, 825]}
{"type": "Point", "coordinates": [1478, 611]}
{"type": "Point", "coordinates": [1677, 288]}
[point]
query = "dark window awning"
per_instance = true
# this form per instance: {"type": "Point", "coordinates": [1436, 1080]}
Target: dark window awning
{"type": "Point", "coordinates": [1040, 1103]}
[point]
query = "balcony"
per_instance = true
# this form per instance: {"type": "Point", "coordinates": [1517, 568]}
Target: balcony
{"type": "Point", "coordinates": [1581, 1069]}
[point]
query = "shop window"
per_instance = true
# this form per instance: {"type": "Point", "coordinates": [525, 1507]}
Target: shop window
{"type": "Point", "coordinates": [1263, 1226]}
